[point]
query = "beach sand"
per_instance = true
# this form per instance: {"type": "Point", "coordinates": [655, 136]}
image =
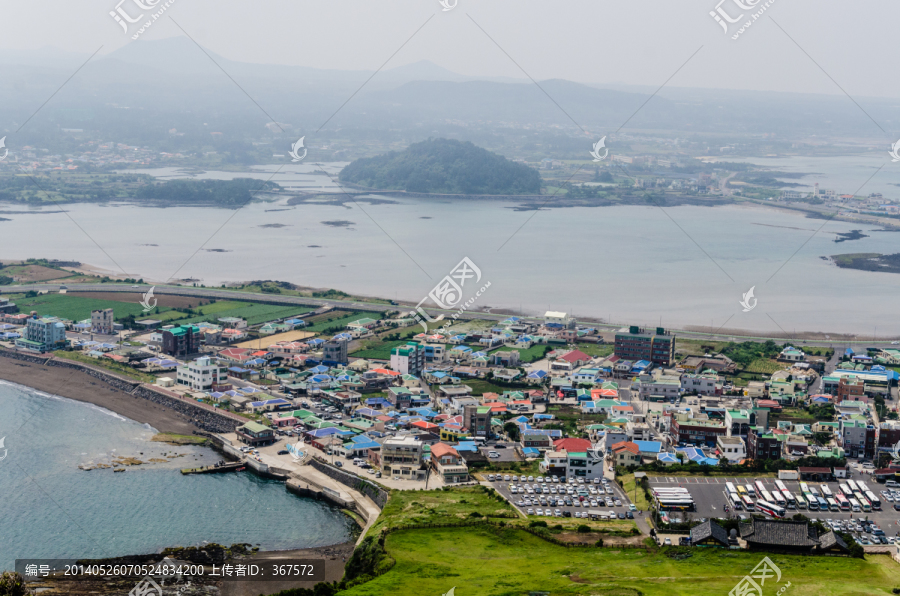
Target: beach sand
{"type": "Point", "coordinates": [82, 387]}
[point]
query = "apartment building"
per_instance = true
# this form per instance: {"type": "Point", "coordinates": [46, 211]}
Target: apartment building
{"type": "Point", "coordinates": [43, 335]}
{"type": "Point", "coordinates": [335, 351]}
{"type": "Point", "coordinates": [202, 374]}
{"type": "Point", "coordinates": [102, 321]}
{"type": "Point", "coordinates": [181, 341]}
{"type": "Point", "coordinates": [639, 344]}
{"type": "Point", "coordinates": [402, 456]}
{"type": "Point", "coordinates": [408, 359]}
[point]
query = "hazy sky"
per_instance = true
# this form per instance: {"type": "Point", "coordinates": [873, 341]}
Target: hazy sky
{"type": "Point", "coordinates": [607, 42]}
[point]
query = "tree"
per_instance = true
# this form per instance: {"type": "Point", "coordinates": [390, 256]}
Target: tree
{"type": "Point", "coordinates": [512, 430]}
{"type": "Point", "coordinates": [13, 584]}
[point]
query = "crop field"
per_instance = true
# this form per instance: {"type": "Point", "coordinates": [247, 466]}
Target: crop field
{"type": "Point", "coordinates": [76, 308]}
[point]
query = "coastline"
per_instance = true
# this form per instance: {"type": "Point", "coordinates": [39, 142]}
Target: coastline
{"type": "Point", "coordinates": [79, 386]}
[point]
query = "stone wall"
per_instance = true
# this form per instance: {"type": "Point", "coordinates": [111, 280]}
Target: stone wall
{"type": "Point", "coordinates": [378, 495]}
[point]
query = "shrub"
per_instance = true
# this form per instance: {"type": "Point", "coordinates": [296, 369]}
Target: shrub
{"type": "Point", "coordinates": [599, 542]}
{"type": "Point", "coordinates": [538, 524]}
{"type": "Point", "coordinates": [583, 528]}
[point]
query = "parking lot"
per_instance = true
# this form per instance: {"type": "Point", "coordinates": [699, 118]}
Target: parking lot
{"type": "Point", "coordinates": [710, 501]}
{"type": "Point", "coordinates": [541, 497]}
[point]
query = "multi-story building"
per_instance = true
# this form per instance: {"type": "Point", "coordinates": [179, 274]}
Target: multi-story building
{"type": "Point", "coordinates": [584, 464]}
{"type": "Point", "coordinates": [858, 438]}
{"type": "Point", "coordinates": [732, 448]}
{"type": "Point", "coordinates": [181, 341]}
{"type": "Point", "coordinates": [478, 420]}
{"type": "Point", "coordinates": [697, 432]}
{"type": "Point", "coordinates": [102, 321]}
{"type": "Point", "coordinates": [255, 434]}
{"type": "Point", "coordinates": [737, 423]}
{"type": "Point", "coordinates": [656, 386]}
{"type": "Point", "coordinates": [401, 456]}
{"type": "Point", "coordinates": [335, 351]}
{"type": "Point", "coordinates": [762, 445]}
{"type": "Point", "coordinates": [625, 454]}
{"type": "Point", "coordinates": [888, 435]}
{"type": "Point", "coordinates": [202, 374]}
{"type": "Point", "coordinates": [408, 359]}
{"type": "Point", "coordinates": [448, 464]}
{"type": "Point", "coordinates": [701, 384]}
{"type": "Point", "coordinates": [43, 335]}
{"type": "Point", "coordinates": [851, 389]}
{"type": "Point", "coordinates": [638, 344]}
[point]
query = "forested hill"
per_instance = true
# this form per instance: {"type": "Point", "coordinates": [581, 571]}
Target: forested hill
{"type": "Point", "coordinates": [444, 166]}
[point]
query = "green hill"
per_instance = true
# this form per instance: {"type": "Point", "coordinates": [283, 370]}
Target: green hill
{"type": "Point", "coordinates": [444, 166]}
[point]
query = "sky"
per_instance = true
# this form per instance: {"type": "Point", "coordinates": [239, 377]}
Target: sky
{"type": "Point", "coordinates": [821, 46]}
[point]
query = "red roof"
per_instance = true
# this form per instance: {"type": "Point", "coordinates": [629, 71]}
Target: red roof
{"type": "Point", "coordinates": [235, 353]}
{"type": "Point", "coordinates": [573, 445]}
{"type": "Point", "coordinates": [574, 356]}
{"type": "Point", "coordinates": [442, 449]}
{"type": "Point", "coordinates": [626, 446]}
{"type": "Point", "coordinates": [424, 425]}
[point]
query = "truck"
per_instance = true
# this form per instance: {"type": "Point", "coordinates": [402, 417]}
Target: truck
{"type": "Point", "coordinates": [788, 475]}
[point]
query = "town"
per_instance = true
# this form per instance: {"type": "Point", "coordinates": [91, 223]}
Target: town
{"type": "Point", "coordinates": [564, 419]}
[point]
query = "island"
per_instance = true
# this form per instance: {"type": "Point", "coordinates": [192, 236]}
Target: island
{"type": "Point", "coordinates": [866, 261]}
{"type": "Point", "coordinates": [443, 166]}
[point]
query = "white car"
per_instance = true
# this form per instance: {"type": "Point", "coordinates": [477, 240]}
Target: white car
{"type": "Point", "coordinates": [493, 454]}
{"type": "Point", "coordinates": [539, 512]}
{"type": "Point", "coordinates": [506, 478]}
{"type": "Point", "coordinates": [531, 479]}
{"type": "Point", "coordinates": [557, 513]}
{"type": "Point", "coordinates": [530, 511]}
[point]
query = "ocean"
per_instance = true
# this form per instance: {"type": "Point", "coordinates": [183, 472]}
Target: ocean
{"type": "Point", "coordinates": [678, 266]}
{"type": "Point", "coordinates": [51, 509]}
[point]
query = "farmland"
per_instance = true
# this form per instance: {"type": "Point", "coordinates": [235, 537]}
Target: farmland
{"type": "Point", "coordinates": [76, 308]}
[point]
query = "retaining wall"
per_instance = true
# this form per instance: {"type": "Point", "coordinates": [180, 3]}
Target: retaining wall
{"type": "Point", "coordinates": [378, 495]}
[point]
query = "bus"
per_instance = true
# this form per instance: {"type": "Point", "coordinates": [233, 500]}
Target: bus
{"type": "Point", "coordinates": [735, 501]}
{"type": "Point", "coordinates": [854, 505]}
{"type": "Point", "coordinates": [812, 502]}
{"type": "Point", "coordinates": [765, 496]}
{"type": "Point", "coordinates": [845, 489]}
{"type": "Point", "coordinates": [842, 502]}
{"type": "Point", "coordinates": [852, 485]}
{"type": "Point", "coordinates": [741, 490]}
{"type": "Point", "coordinates": [876, 503]}
{"type": "Point", "coordinates": [789, 499]}
{"type": "Point", "coordinates": [780, 485]}
{"type": "Point", "coordinates": [832, 504]}
{"type": "Point", "coordinates": [862, 486]}
{"type": "Point", "coordinates": [864, 503]}
{"type": "Point", "coordinates": [826, 492]}
{"type": "Point", "coordinates": [760, 488]}
{"type": "Point", "coordinates": [779, 499]}
{"type": "Point", "coordinates": [748, 503]}
{"type": "Point", "coordinates": [729, 488]}
{"type": "Point", "coordinates": [823, 504]}
{"type": "Point", "coordinates": [770, 509]}
{"type": "Point", "coordinates": [801, 502]}
{"type": "Point", "coordinates": [804, 488]}
{"type": "Point", "coordinates": [751, 491]}
{"type": "Point", "coordinates": [814, 491]}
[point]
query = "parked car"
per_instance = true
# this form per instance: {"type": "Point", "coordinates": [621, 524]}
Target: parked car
{"type": "Point", "coordinates": [283, 452]}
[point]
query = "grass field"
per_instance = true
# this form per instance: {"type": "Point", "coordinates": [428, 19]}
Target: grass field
{"type": "Point", "coordinates": [506, 562]}
{"type": "Point", "coordinates": [596, 350]}
{"type": "Point", "coordinates": [110, 365]}
{"type": "Point", "coordinates": [380, 350]}
{"type": "Point", "coordinates": [637, 496]}
{"type": "Point", "coordinates": [480, 387]}
{"type": "Point", "coordinates": [433, 506]}
{"type": "Point", "coordinates": [337, 318]}
{"type": "Point", "coordinates": [254, 314]}
{"type": "Point", "coordinates": [76, 308]}
{"type": "Point", "coordinates": [766, 366]}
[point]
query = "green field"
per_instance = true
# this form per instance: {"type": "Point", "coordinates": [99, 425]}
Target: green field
{"type": "Point", "coordinates": [481, 386]}
{"type": "Point", "coordinates": [342, 320]}
{"type": "Point", "coordinates": [418, 507]}
{"type": "Point", "coordinates": [506, 562]}
{"type": "Point", "coordinates": [596, 350]}
{"type": "Point", "coordinates": [380, 350]}
{"type": "Point", "coordinates": [254, 314]}
{"type": "Point", "coordinates": [75, 308]}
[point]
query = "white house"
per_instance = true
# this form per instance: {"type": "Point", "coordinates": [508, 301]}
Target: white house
{"type": "Point", "coordinates": [731, 448]}
{"type": "Point", "coordinates": [201, 374]}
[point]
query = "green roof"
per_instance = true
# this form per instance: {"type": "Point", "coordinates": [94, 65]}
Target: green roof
{"type": "Point", "coordinates": [255, 427]}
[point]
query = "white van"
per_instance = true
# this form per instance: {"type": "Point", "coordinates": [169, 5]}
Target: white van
{"type": "Point", "coordinates": [892, 484]}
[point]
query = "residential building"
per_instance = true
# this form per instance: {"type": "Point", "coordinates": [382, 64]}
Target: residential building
{"type": "Point", "coordinates": [102, 321]}
{"type": "Point", "coordinates": [448, 464]}
{"type": "Point", "coordinates": [888, 435]}
{"type": "Point", "coordinates": [202, 374]}
{"type": "Point", "coordinates": [792, 354]}
{"type": "Point", "coordinates": [554, 463]}
{"type": "Point", "coordinates": [43, 335]}
{"type": "Point", "coordinates": [762, 444]}
{"type": "Point", "coordinates": [858, 438]}
{"type": "Point", "coordinates": [402, 456]}
{"type": "Point", "coordinates": [701, 384]}
{"type": "Point", "coordinates": [181, 341]}
{"type": "Point", "coordinates": [478, 420]}
{"type": "Point", "coordinates": [335, 351]}
{"type": "Point", "coordinates": [408, 359]}
{"type": "Point", "coordinates": [584, 464]}
{"type": "Point", "coordinates": [737, 423]}
{"type": "Point", "coordinates": [638, 344]}
{"type": "Point", "coordinates": [850, 388]}
{"type": "Point", "coordinates": [697, 432]}
{"type": "Point", "coordinates": [625, 454]}
{"type": "Point", "coordinates": [731, 448]}
{"type": "Point", "coordinates": [658, 387]}
{"type": "Point", "coordinates": [255, 434]}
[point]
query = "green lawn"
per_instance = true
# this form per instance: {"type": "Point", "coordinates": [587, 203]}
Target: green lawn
{"type": "Point", "coordinates": [435, 506]}
{"type": "Point", "coordinates": [596, 350]}
{"type": "Point", "coordinates": [766, 366]}
{"type": "Point", "coordinates": [506, 562]}
{"type": "Point", "coordinates": [76, 308]}
{"type": "Point", "coordinates": [254, 314]}
{"type": "Point", "coordinates": [378, 349]}
{"type": "Point", "coordinates": [340, 319]}
{"type": "Point", "coordinates": [110, 365]}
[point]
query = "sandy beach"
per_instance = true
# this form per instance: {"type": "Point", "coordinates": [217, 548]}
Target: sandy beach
{"type": "Point", "coordinates": [79, 386]}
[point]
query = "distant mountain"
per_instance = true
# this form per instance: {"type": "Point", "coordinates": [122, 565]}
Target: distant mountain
{"type": "Point", "coordinates": [443, 166]}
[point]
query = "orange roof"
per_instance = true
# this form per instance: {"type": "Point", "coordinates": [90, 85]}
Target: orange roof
{"type": "Point", "coordinates": [442, 449]}
{"type": "Point", "coordinates": [626, 446]}
{"type": "Point", "coordinates": [424, 425]}
{"type": "Point", "coordinates": [384, 371]}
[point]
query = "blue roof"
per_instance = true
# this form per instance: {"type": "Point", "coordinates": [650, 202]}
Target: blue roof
{"type": "Point", "coordinates": [667, 457]}
{"type": "Point", "coordinates": [848, 352]}
{"type": "Point", "coordinates": [466, 446]}
{"type": "Point", "coordinates": [256, 361]}
{"type": "Point", "coordinates": [531, 451]}
{"type": "Point", "coordinates": [315, 342]}
{"type": "Point", "coordinates": [537, 374]}
{"type": "Point", "coordinates": [367, 444]}
{"type": "Point", "coordinates": [238, 369]}
{"type": "Point", "coordinates": [320, 379]}
{"type": "Point", "coordinates": [648, 446]}
{"type": "Point", "coordinates": [377, 401]}
{"type": "Point", "coordinates": [543, 416]}
{"type": "Point", "coordinates": [342, 336]}
{"type": "Point", "coordinates": [323, 432]}
{"type": "Point", "coordinates": [319, 369]}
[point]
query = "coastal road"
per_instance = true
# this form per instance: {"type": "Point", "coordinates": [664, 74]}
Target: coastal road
{"type": "Point", "coordinates": [275, 299]}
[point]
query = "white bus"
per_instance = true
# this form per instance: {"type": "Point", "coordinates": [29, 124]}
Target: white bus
{"type": "Point", "coordinates": [801, 502]}
{"type": "Point", "coordinates": [729, 488]}
{"type": "Point", "coordinates": [845, 489]}
{"type": "Point", "coordinates": [770, 509]}
{"type": "Point", "coordinates": [852, 485]}
{"type": "Point", "coordinates": [779, 499]}
{"type": "Point", "coordinates": [760, 487]}
{"type": "Point", "coordinates": [789, 499]}
{"type": "Point", "coordinates": [735, 501]}
{"type": "Point", "coordinates": [748, 503]}
{"type": "Point", "coordinates": [750, 490]}
{"type": "Point", "coordinates": [842, 502]}
{"type": "Point", "coordinates": [862, 486]}
{"type": "Point", "coordinates": [780, 485]}
{"type": "Point", "coordinates": [804, 488]}
{"type": "Point", "coordinates": [765, 496]}
{"type": "Point", "coordinates": [826, 492]}
{"type": "Point", "coordinates": [854, 505]}
{"type": "Point", "coordinates": [832, 504]}
{"type": "Point", "coordinates": [875, 501]}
